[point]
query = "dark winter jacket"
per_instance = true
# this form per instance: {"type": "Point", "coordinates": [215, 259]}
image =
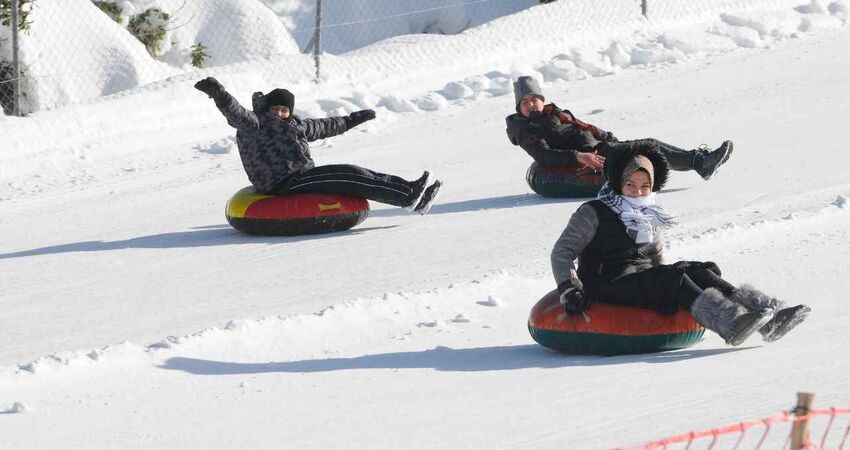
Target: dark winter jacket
{"type": "Point", "coordinates": [612, 267]}
{"type": "Point", "coordinates": [273, 150]}
{"type": "Point", "coordinates": [555, 136]}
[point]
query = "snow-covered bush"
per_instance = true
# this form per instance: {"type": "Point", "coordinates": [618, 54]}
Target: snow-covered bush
{"type": "Point", "coordinates": [24, 9]}
{"type": "Point", "coordinates": [111, 9]}
{"type": "Point", "coordinates": [149, 27]}
{"type": "Point", "coordinates": [199, 55]}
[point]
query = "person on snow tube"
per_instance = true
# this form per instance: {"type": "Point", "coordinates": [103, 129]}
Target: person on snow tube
{"type": "Point", "coordinates": [617, 241]}
{"type": "Point", "coordinates": [275, 151]}
{"type": "Point", "coordinates": [555, 137]}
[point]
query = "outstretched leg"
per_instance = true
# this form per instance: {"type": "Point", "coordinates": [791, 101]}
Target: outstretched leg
{"type": "Point", "coordinates": [784, 318]}
{"type": "Point", "coordinates": [357, 181]}
{"type": "Point", "coordinates": [704, 162]}
{"type": "Point", "coordinates": [730, 320]}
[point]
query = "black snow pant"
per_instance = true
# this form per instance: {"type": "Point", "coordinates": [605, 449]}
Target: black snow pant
{"type": "Point", "coordinates": [678, 158]}
{"type": "Point", "coordinates": [664, 288]}
{"type": "Point", "coordinates": [350, 180]}
{"type": "Point", "coordinates": [698, 279]}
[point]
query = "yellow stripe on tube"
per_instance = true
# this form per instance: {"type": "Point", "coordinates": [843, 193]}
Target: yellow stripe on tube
{"type": "Point", "coordinates": [241, 201]}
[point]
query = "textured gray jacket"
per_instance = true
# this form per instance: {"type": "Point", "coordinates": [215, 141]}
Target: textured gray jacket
{"type": "Point", "coordinates": [273, 150]}
{"type": "Point", "coordinates": [581, 229]}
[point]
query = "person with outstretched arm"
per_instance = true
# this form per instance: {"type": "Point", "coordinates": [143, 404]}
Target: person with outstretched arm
{"type": "Point", "coordinates": [555, 137]}
{"type": "Point", "coordinates": [274, 145]}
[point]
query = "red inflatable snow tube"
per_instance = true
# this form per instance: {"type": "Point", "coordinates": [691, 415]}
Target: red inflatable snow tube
{"type": "Point", "coordinates": [294, 214]}
{"type": "Point", "coordinates": [571, 181]}
{"type": "Point", "coordinates": [608, 329]}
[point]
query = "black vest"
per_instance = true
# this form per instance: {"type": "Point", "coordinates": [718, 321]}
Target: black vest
{"type": "Point", "coordinates": [612, 252]}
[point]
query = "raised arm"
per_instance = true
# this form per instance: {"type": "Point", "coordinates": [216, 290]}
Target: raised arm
{"type": "Point", "coordinates": [316, 129]}
{"type": "Point", "coordinates": [579, 232]}
{"type": "Point", "coordinates": [324, 128]}
{"type": "Point", "coordinates": [237, 116]}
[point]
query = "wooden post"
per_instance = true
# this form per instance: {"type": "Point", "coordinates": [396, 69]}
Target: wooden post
{"type": "Point", "coordinates": [643, 7]}
{"type": "Point", "coordinates": [800, 430]}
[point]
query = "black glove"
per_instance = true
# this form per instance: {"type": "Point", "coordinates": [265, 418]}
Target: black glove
{"type": "Point", "coordinates": [210, 86]}
{"type": "Point", "coordinates": [358, 117]}
{"type": "Point", "coordinates": [608, 136]}
{"type": "Point", "coordinates": [572, 295]}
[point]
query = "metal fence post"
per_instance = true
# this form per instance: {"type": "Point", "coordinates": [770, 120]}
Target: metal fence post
{"type": "Point", "coordinates": [317, 40]}
{"type": "Point", "coordinates": [16, 70]}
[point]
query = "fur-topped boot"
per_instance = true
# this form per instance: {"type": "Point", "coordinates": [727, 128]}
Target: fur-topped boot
{"type": "Point", "coordinates": [784, 318]}
{"type": "Point", "coordinates": [728, 319]}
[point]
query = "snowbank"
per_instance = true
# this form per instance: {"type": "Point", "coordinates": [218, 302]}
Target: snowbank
{"type": "Point", "coordinates": [352, 24]}
{"type": "Point", "coordinates": [589, 37]}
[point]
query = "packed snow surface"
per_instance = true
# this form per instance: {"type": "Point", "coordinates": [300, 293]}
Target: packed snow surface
{"type": "Point", "coordinates": [134, 316]}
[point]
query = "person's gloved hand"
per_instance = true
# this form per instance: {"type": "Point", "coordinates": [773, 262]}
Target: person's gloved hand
{"type": "Point", "coordinates": [210, 86]}
{"type": "Point", "coordinates": [572, 295]}
{"type": "Point", "coordinates": [358, 117]}
{"type": "Point", "coordinates": [535, 116]}
{"type": "Point", "coordinates": [608, 136]}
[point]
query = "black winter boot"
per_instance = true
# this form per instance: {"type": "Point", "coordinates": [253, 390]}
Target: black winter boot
{"type": "Point", "coordinates": [428, 198]}
{"type": "Point", "coordinates": [706, 163]}
{"type": "Point", "coordinates": [728, 319]}
{"type": "Point", "coordinates": [417, 189]}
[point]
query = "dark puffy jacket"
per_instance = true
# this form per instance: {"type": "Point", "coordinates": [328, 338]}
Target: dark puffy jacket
{"type": "Point", "coordinates": [273, 150]}
{"type": "Point", "coordinates": [617, 270]}
{"type": "Point", "coordinates": [554, 138]}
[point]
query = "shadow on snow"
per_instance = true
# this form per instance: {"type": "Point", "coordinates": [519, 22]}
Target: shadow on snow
{"type": "Point", "coordinates": [206, 236]}
{"type": "Point", "coordinates": [442, 359]}
{"type": "Point", "coordinates": [201, 237]}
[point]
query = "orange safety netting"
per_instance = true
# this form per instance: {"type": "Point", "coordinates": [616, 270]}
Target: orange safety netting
{"type": "Point", "coordinates": [742, 427]}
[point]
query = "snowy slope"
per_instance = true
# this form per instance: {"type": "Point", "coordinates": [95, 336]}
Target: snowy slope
{"type": "Point", "coordinates": [134, 316]}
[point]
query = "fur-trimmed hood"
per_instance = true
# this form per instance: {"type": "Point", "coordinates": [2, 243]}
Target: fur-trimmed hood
{"type": "Point", "coordinates": [616, 163]}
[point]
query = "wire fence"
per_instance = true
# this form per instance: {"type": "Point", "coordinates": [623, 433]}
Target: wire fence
{"type": "Point", "coordinates": [67, 51]}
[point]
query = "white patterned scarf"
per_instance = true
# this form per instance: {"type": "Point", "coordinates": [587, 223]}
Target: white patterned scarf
{"type": "Point", "coordinates": [640, 215]}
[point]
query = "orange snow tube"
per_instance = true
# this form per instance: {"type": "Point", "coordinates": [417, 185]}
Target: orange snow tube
{"type": "Point", "coordinates": [608, 329]}
{"type": "Point", "coordinates": [294, 214]}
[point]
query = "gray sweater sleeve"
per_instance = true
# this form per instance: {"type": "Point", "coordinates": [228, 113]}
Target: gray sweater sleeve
{"type": "Point", "coordinates": [579, 232]}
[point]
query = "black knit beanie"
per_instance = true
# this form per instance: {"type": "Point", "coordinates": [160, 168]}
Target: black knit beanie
{"type": "Point", "coordinates": [280, 97]}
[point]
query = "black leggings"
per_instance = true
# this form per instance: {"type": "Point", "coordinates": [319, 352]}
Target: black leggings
{"type": "Point", "coordinates": [698, 279]}
{"type": "Point", "coordinates": [351, 180]}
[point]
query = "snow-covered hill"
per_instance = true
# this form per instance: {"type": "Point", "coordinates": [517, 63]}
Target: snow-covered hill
{"type": "Point", "coordinates": [134, 316]}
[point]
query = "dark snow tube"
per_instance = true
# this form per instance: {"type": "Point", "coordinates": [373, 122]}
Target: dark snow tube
{"type": "Point", "coordinates": [612, 329]}
{"type": "Point", "coordinates": [294, 214]}
{"type": "Point", "coordinates": [564, 181]}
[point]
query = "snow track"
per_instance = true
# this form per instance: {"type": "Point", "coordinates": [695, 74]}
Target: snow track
{"type": "Point", "coordinates": [133, 316]}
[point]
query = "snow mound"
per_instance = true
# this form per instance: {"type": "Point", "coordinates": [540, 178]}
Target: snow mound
{"type": "Point", "coordinates": [388, 317]}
